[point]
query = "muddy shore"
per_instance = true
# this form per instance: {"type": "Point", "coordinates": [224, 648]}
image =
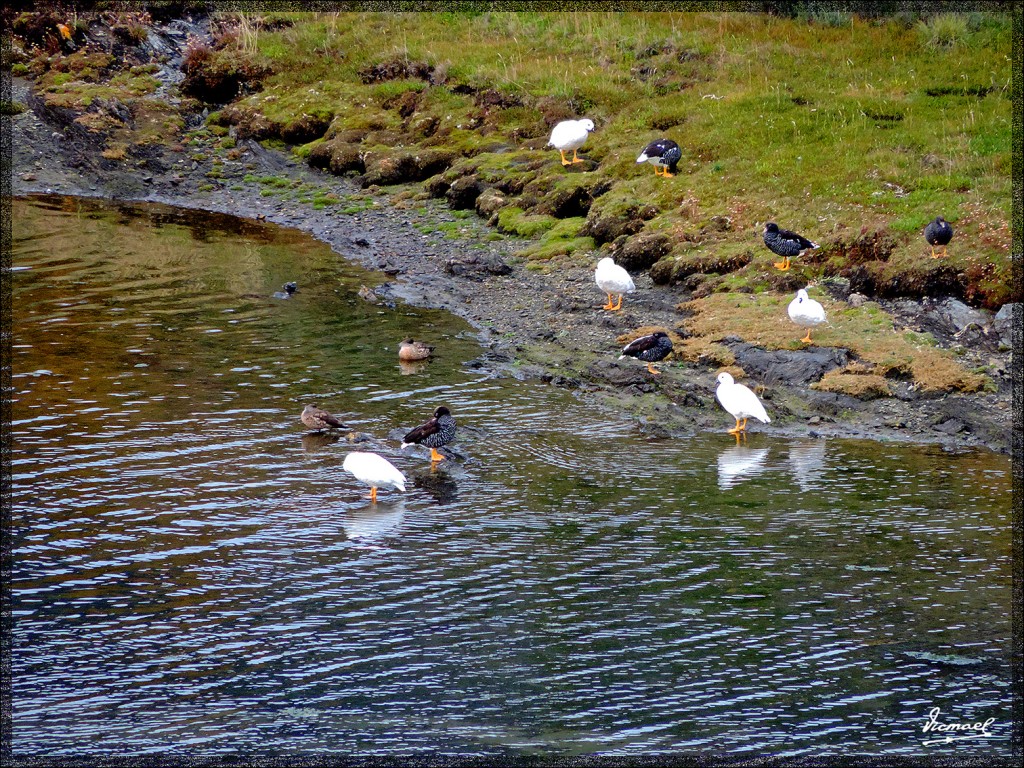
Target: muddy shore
{"type": "Point", "coordinates": [535, 325]}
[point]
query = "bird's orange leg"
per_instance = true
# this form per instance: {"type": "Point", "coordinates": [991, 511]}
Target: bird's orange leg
{"type": "Point", "coordinates": [807, 339]}
{"type": "Point", "coordinates": [652, 370]}
{"type": "Point", "coordinates": [744, 427]}
{"type": "Point", "coordinates": [618, 306]}
{"type": "Point", "coordinates": [576, 159]}
{"type": "Point", "coordinates": [562, 153]}
{"type": "Point", "coordinates": [667, 175]}
{"type": "Point", "coordinates": [373, 494]}
{"type": "Point", "coordinates": [656, 171]}
{"type": "Point", "coordinates": [737, 429]}
{"type": "Point", "coordinates": [783, 265]}
{"type": "Point", "coordinates": [435, 456]}
{"type": "Point", "coordinates": [610, 304]}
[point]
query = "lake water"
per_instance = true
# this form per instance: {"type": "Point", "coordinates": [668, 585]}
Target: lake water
{"type": "Point", "coordinates": [195, 575]}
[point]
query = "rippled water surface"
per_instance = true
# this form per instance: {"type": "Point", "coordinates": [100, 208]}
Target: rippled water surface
{"type": "Point", "coordinates": [193, 574]}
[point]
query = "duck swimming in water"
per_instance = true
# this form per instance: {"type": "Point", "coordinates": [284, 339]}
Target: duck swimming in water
{"type": "Point", "coordinates": [409, 350]}
{"type": "Point", "coordinates": [286, 291]}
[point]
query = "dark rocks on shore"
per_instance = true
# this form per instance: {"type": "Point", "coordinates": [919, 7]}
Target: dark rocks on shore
{"type": "Point", "coordinates": [477, 266]}
{"type": "Point", "coordinates": [641, 251]}
{"type": "Point", "coordinates": [462, 194]}
{"type": "Point", "coordinates": [787, 366]}
{"type": "Point", "coordinates": [606, 227]}
{"type": "Point", "coordinates": [385, 169]}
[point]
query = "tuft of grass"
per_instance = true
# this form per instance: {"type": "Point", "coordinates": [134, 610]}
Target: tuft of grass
{"type": "Point", "coordinates": [944, 30]}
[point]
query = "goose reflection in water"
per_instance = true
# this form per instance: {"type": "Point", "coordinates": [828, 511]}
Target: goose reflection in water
{"type": "Point", "coordinates": [440, 485]}
{"type": "Point", "coordinates": [739, 463]}
{"type": "Point", "coordinates": [806, 463]}
{"type": "Point", "coordinates": [408, 368]}
{"type": "Point", "coordinates": [312, 442]}
{"type": "Point", "coordinates": [367, 527]}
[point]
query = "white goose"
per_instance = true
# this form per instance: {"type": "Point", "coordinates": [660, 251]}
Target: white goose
{"type": "Point", "coordinates": [613, 279]}
{"type": "Point", "coordinates": [375, 471]}
{"type": "Point", "coordinates": [740, 402]}
{"type": "Point", "coordinates": [570, 134]}
{"type": "Point", "coordinates": [806, 312]}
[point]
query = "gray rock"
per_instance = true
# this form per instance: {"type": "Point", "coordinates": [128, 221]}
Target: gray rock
{"type": "Point", "coordinates": [857, 300]}
{"type": "Point", "coordinates": [787, 366]}
{"type": "Point", "coordinates": [477, 266]}
{"type": "Point", "coordinates": [958, 315]}
{"type": "Point", "coordinates": [1002, 323]}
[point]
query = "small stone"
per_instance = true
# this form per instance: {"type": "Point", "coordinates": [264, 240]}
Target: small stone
{"type": "Point", "coordinates": [950, 426]}
{"type": "Point", "coordinates": [28, 177]}
{"type": "Point", "coordinates": [857, 300]}
{"type": "Point", "coordinates": [814, 420]}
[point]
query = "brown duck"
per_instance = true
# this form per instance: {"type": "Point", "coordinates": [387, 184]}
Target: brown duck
{"type": "Point", "coordinates": [317, 418]}
{"type": "Point", "coordinates": [410, 350]}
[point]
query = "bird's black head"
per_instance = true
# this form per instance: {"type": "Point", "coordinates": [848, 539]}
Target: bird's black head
{"type": "Point", "coordinates": [939, 220]}
{"type": "Point", "coordinates": [659, 334]}
{"type": "Point", "coordinates": [291, 287]}
{"type": "Point", "coordinates": [771, 226]}
{"type": "Point", "coordinates": [441, 411]}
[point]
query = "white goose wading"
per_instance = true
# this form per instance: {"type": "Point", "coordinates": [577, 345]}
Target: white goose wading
{"type": "Point", "coordinates": [739, 401]}
{"type": "Point", "coordinates": [375, 471]}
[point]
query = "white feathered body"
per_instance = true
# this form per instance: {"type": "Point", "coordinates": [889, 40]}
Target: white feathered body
{"type": "Point", "coordinates": [374, 470]}
{"type": "Point", "coordinates": [805, 311]}
{"type": "Point", "coordinates": [570, 134]}
{"type": "Point", "coordinates": [611, 278]}
{"type": "Point", "coordinates": [739, 400]}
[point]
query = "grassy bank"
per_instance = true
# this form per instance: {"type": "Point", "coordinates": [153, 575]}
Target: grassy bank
{"type": "Point", "coordinates": [855, 132]}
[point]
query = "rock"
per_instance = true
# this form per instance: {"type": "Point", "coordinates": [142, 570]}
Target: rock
{"type": "Point", "coordinates": [838, 288]}
{"type": "Point", "coordinates": [489, 202]}
{"type": "Point", "coordinates": [856, 300]}
{"type": "Point", "coordinates": [950, 426]}
{"type": "Point", "coordinates": [642, 251]}
{"type": "Point", "coordinates": [1002, 323]}
{"type": "Point", "coordinates": [606, 227]}
{"type": "Point", "coordinates": [477, 266]}
{"type": "Point", "coordinates": [787, 366]}
{"type": "Point", "coordinates": [958, 315]}
{"type": "Point", "coordinates": [565, 203]}
{"type": "Point", "coordinates": [463, 193]}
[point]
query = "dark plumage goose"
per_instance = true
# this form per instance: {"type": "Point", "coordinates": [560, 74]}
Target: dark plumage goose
{"type": "Point", "coordinates": [650, 349]}
{"type": "Point", "coordinates": [662, 153]}
{"type": "Point", "coordinates": [938, 232]}
{"type": "Point", "coordinates": [438, 431]}
{"type": "Point", "coordinates": [317, 418]}
{"type": "Point", "coordinates": [784, 243]}
{"type": "Point", "coordinates": [287, 290]}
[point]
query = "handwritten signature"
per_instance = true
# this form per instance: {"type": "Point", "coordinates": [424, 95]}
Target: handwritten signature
{"type": "Point", "coordinates": [961, 730]}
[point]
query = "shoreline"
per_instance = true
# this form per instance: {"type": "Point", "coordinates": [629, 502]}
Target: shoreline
{"type": "Point", "coordinates": [532, 325]}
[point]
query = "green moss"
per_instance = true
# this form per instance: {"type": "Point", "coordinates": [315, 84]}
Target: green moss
{"type": "Point", "coordinates": [514, 221]}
